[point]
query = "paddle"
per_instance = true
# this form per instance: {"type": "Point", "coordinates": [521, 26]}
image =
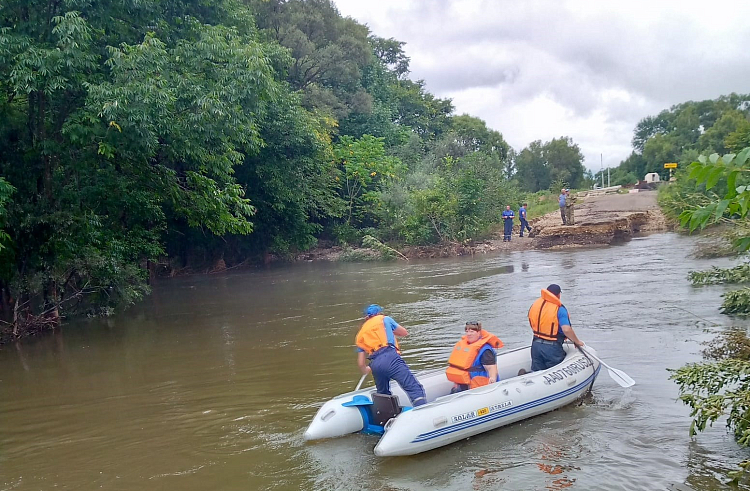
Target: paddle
{"type": "Point", "coordinates": [618, 376]}
{"type": "Point", "coordinates": [363, 379]}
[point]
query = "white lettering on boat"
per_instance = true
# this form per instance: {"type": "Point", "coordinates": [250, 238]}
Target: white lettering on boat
{"type": "Point", "coordinates": [568, 371]}
{"type": "Point", "coordinates": [463, 417]}
{"type": "Point", "coordinates": [497, 407]}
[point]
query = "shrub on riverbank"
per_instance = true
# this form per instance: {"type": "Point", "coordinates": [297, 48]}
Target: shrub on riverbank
{"type": "Point", "coordinates": [715, 189]}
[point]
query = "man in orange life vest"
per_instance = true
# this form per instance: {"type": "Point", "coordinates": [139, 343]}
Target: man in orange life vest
{"type": "Point", "coordinates": [376, 340]}
{"type": "Point", "coordinates": [473, 362]}
{"type": "Point", "coordinates": [550, 322]}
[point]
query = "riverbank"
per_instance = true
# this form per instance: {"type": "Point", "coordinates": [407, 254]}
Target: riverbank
{"type": "Point", "coordinates": [599, 221]}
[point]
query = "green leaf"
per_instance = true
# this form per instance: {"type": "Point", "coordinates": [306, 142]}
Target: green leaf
{"type": "Point", "coordinates": [742, 157]}
{"type": "Point", "coordinates": [743, 244]}
{"type": "Point", "coordinates": [695, 170]}
{"type": "Point", "coordinates": [732, 184]}
{"type": "Point", "coordinates": [714, 177]}
{"type": "Point", "coordinates": [721, 208]}
{"type": "Point", "coordinates": [703, 176]}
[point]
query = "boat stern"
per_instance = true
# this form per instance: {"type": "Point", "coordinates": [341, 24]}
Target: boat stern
{"type": "Point", "coordinates": [337, 417]}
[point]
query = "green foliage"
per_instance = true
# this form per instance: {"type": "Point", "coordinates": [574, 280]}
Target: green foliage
{"type": "Point", "coordinates": [714, 389]}
{"type": "Point", "coordinates": [733, 203]}
{"type": "Point", "coordinates": [712, 190]}
{"type": "Point", "coordinates": [559, 160]}
{"type": "Point", "coordinates": [6, 191]}
{"type": "Point", "coordinates": [717, 276]}
{"type": "Point", "coordinates": [685, 130]}
{"type": "Point", "coordinates": [736, 302]}
{"type": "Point", "coordinates": [463, 203]}
{"type": "Point", "coordinates": [541, 203]}
{"type": "Point", "coordinates": [386, 252]}
{"type": "Point", "coordinates": [718, 389]}
{"type": "Point", "coordinates": [365, 170]}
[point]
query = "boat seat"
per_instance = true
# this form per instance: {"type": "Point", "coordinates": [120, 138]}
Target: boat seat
{"type": "Point", "coordinates": [384, 407]}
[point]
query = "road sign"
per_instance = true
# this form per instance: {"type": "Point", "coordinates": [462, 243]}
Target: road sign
{"type": "Point", "coordinates": [670, 165]}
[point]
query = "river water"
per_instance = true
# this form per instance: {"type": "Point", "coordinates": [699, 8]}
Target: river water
{"type": "Point", "coordinates": [210, 383]}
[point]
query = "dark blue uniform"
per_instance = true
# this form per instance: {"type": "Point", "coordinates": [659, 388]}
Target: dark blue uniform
{"type": "Point", "coordinates": [508, 217]}
{"type": "Point", "coordinates": [524, 223]}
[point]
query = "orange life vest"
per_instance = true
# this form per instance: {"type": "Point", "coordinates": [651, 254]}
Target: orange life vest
{"type": "Point", "coordinates": [371, 336]}
{"type": "Point", "coordinates": [543, 316]}
{"type": "Point", "coordinates": [466, 356]}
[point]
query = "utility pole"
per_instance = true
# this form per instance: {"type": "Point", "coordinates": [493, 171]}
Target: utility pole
{"type": "Point", "coordinates": [601, 164]}
{"type": "Point", "coordinates": [609, 183]}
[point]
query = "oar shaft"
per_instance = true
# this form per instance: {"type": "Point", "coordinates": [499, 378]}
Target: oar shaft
{"type": "Point", "coordinates": [360, 382]}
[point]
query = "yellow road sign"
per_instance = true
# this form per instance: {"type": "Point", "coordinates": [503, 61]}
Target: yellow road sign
{"type": "Point", "coordinates": [670, 165]}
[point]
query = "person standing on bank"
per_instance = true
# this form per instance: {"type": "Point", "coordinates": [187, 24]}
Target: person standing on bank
{"type": "Point", "coordinates": [561, 202]}
{"type": "Point", "coordinates": [508, 217]}
{"type": "Point", "coordinates": [550, 322]}
{"type": "Point", "coordinates": [376, 341]}
{"type": "Point", "coordinates": [569, 202]}
{"type": "Point", "coordinates": [473, 361]}
{"type": "Point", "coordinates": [522, 217]}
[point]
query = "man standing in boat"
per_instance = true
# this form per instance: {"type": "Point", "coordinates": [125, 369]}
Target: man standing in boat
{"type": "Point", "coordinates": [376, 341]}
{"type": "Point", "coordinates": [550, 322]}
{"type": "Point", "coordinates": [473, 362]}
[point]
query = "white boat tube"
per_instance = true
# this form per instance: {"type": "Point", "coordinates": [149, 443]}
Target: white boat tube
{"type": "Point", "coordinates": [451, 417]}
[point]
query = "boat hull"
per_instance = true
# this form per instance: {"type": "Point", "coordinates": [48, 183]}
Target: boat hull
{"type": "Point", "coordinates": [448, 418]}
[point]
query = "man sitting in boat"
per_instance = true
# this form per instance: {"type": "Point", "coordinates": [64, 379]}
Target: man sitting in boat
{"type": "Point", "coordinates": [550, 322]}
{"type": "Point", "coordinates": [376, 339]}
{"type": "Point", "coordinates": [473, 362]}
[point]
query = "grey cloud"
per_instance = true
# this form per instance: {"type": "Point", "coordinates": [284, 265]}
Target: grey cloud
{"type": "Point", "coordinates": [576, 54]}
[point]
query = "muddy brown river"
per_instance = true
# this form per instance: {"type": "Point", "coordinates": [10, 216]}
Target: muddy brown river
{"type": "Point", "coordinates": [210, 383]}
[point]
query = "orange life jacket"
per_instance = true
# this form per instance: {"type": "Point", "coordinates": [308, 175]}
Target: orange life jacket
{"type": "Point", "coordinates": [543, 316]}
{"type": "Point", "coordinates": [371, 336]}
{"type": "Point", "coordinates": [464, 365]}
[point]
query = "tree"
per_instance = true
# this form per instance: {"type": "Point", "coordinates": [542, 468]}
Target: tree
{"type": "Point", "coordinates": [106, 152]}
{"type": "Point", "coordinates": [713, 139]}
{"type": "Point", "coordinates": [533, 174]}
{"type": "Point", "coordinates": [559, 160]}
{"type": "Point", "coordinates": [565, 161]}
{"type": "Point", "coordinates": [365, 169]}
{"type": "Point", "coordinates": [722, 388]}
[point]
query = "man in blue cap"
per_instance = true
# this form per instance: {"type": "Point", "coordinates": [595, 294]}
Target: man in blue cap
{"type": "Point", "coordinates": [550, 322]}
{"type": "Point", "coordinates": [376, 341]}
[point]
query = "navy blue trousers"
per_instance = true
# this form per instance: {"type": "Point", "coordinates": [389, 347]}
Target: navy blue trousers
{"type": "Point", "coordinates": [524, 226]}
{"type": "Point", "coordinates": [386, 364]}
{"type": "Point", "coordinates": [544, 355]}
{"type": "Point", "coordinates": [507, 229]}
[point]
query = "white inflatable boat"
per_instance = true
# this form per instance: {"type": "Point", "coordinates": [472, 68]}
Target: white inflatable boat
{"type": "Point", "coordinates": [447, 418]}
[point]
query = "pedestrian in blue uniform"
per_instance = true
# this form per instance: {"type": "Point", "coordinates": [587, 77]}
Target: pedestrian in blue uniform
{"type": "Point", "coordinates": [508, 217]}
{"type": "Point", "coordinates": [561, 201]}
{"type": "Point", "coordinates": [522, 217]}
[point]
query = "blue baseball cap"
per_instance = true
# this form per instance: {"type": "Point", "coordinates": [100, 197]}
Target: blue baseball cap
{"type": "Point", "coordinates": [554, 289]}
{"type": "Point", "coordinates": [373, 309]}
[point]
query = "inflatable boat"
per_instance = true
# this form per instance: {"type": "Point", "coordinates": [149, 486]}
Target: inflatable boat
{"type": "Point", "coordinates": [447, 418]}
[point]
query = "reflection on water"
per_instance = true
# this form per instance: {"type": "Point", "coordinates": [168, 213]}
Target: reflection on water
{"type": "Point", "coordinates": [210, 383]}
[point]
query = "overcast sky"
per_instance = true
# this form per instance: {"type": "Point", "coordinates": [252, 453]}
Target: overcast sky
{"type": "Point", "coordinates": [536, 70]}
